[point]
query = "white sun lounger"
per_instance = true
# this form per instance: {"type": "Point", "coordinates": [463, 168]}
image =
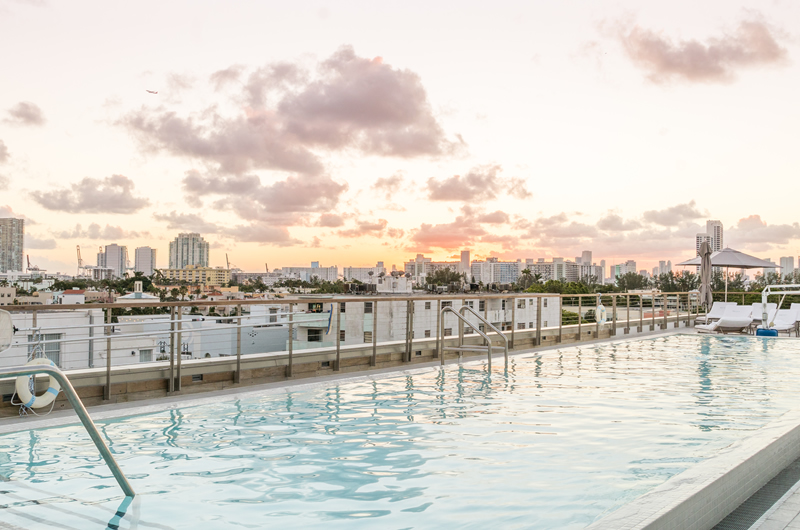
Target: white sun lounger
{"type": "Point", "coordinates": [717, 310]}
{"type": "Point", "coordinates": [736, 319]}
{"type": "Point", "coordinates": [785, 320]}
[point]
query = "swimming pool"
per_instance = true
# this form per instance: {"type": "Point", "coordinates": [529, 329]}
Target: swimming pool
{"type": "Point", "coordinates": [555, 441]}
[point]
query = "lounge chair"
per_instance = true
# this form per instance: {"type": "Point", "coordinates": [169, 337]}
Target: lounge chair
{"type": "Point", "coordinates": [736, 319]}
{"type": "Point", "coordinates": [784, 320]}
{"type": "Point", "coordinates": [758, 309]}
{"type": "Point", "coordinates": [717, 310]}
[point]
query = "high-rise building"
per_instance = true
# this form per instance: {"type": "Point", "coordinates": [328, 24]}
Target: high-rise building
{"type": "Point", "coordinates": [188, 249]}
{"type": "Point", "coordinates": [656, 271]}
{"type": "Point", "coordinates": [603, 277]}
{"type": "Point", "coordinates": [465, 265]}
{"type": "Point", "coordinates": [586, 257]}
{"type": "Point", "coordinates": [12, 236]}
{"type": "Point", "coordinates": [145, 260]}
{"type": "Point", "coordinates": [624, 268]}
{"type": "Point", "coordinates": [115, 258]}
{"type": "Point", "coordinates": [714, 229]}
{"type": "Point", "coordinates": [787, 266]}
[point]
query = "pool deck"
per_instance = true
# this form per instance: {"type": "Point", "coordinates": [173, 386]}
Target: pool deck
{"type": "Point", "coordinates": [784, 514]}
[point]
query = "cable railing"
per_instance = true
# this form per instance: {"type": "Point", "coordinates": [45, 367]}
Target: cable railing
{"type": "Point", "coordinates": [110, 336]}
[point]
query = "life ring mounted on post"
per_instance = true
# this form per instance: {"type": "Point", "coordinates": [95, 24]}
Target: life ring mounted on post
{"type": "Point", "coordinates": [28, 398]}
{"type": "Point", "coordinates": [600, 314]}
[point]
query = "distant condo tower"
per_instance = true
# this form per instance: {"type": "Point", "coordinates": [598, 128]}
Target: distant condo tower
{"type": "Point", "coordinates": [145, 260]}
{"type": "Point", "coordinates": [12, 233]}
{"type": "Point", "coordinates": [188, 249]}
{"type": "Point", "coordinates": [713, 236]}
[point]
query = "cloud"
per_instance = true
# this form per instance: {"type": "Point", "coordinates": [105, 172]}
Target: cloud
{"type": "Point", "coordinates": [246, 196]}
{"type": "Point", "coordinates": [4, 156]}
{"type": "Point", "coordinates": [330, 220]}
{"type": "Point", "coordinates": [344, 102]}
{"type": "Point", "coordinates": [366, 104]}
{"type": "Point", "coordinates": [188, 222]}
{"type": "Point", "coordinates": [754, 233]}
{"type": "Point", "coordinates": [496, 217]}
{"type": "Point", "coordinates": [388, 185]}
{"type": "Point", "coordinates": [262, 233]}
{"type": "Point", "coordinates": [615, 223]}
{"type": "Point", "coordinates": [95, 231]}
{"type": "Point", "coordinates": [674, 215]}
{"type": "Point", "coordinates": [753, 43]}
{"type": "Point", "coordinates": [366, 228]}
{"type": "Point", "coordinates": [458, 234]}
{"type": "Point", "coordinates": [505, 241]}
{"type": "Point", "coordinates": [221, 78]}
{"type": "Point", "coordinates": [7, 211]}
{"type": "Point", "coordinates": [112, 194]}
{"type": "Point", "coordinates": [4, 182]}
{"type": "Point", "coordinates": [481, 183]}
{"type": "Point", "coordinates": [33, 242]}
{"type": "Point", "coordinates": [25, 113]}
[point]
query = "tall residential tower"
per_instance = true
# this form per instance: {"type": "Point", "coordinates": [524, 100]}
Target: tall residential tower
{"type": "Point", "coordinates": [188, 249]}
{"type": "Point", "coordinates": [12, 235]}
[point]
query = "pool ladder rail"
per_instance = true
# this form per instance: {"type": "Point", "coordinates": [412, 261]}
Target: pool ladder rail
{"type": "Point", "coordinates": [488, 348]}
{"type": "Point", "coordinates": [80, 410]}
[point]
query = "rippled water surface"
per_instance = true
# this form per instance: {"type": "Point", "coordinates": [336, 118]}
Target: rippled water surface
{"type": "Point", "coordinates": [553, 441]}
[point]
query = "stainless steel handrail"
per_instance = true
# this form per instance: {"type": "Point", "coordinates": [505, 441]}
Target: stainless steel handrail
{"type": "Point", "coordinates": [80, 410]}
{"type": "Point", "coordinates": [481, 333]}
{"type": "Point", "coordinates": [479, 317]}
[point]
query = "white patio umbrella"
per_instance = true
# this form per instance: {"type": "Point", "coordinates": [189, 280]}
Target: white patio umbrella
{"type": "Point", "coordinates": [730, 258]}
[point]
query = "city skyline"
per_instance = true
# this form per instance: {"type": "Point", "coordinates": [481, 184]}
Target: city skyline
{"type": "Point", "coordinates": [566, 130]}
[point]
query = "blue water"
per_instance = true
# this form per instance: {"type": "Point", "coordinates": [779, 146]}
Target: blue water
{"type": "Point", "coordinates": [553, 441]}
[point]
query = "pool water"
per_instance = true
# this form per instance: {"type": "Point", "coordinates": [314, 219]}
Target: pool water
{"type": "Point", "coordinates": [554, 440]}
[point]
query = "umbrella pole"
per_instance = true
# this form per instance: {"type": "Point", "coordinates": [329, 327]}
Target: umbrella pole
{"type": "Point", "coordinates": [726, 284]}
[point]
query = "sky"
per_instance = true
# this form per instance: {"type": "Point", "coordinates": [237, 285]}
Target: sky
{"type": "Point", "coordinates": [355, 132]}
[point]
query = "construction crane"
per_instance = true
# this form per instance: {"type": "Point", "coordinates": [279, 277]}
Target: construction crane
{"type": "Point", "coordinates": [267, 267]}
{"type": "Point", "coordinates": [228, 263]}
{"type": "Point", "coordinates": [80, 260]}
{"type": "Point", "coordinates": [32, 268]}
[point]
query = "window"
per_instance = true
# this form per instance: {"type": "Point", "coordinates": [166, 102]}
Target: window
{"type": "Point", "coordinates": [412, 334]}
{"type": "Point", "coordinates": [531, 325]}
{"type": "Point", "coordinates": [506, 326]}
{"type": "Point", "coordinates": [447, 304]}
{"type": "Point", "coordinates": [342, 307]}
{"type": "Point", "coordinates": [482, 327]}
{"type": "Point", "coordinates": [273, 314]}
{"type": "Point", "coordinates": [427, 305]}
{"type": "Point", "coordinates": [368, 308]}
{"type": "Point", "coordinates": [470, 303]}
{"type": "Point", "coordinates": [521, 303]}
{"type": "Point", "coordinates": [145, 356]}
{"type": "Point", "coordinates": [51, 350]}
{"type": "Point", "coordinates": [368, 336]}
{"type": "Point", "coordinates": [468, 331]}
{"type": "Point", "coordinates": [314, 335]}
{"type": "Point", "coordinates": [341, 335]}
{"type": "Point", "coordinates": [448, 331]}
{"type": "Point", "coordinates": [482, 305]}
{"type": "Point", "coordinates": [520, 325]}
{"type": "Point", "coordinates": [544, 323]}
{"type": "Point", "coordinates": [544, 302]}
{"type": "Point", "coordinates": [427, 332]}
{"type": "Point", "coordinates": [315, 308]}
{"type": "Point", "coordinates": [503, 305]}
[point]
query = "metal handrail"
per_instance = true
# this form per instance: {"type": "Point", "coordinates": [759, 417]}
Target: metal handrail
{"type": "Point", "coordinates": [479, 317]}
{"type": "Point", "coordinates": [463, 319]}
{"type": "Point", "coordinates": [80, 410]}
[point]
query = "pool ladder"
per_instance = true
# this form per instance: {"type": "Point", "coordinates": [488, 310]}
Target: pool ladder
{"type": "Point", "coordinates": [80, 410]}
{"type": "Point", "coordinates": [488, 348]}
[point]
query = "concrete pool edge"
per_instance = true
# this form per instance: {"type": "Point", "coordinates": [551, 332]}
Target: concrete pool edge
{"type": "Point", "coordinates": [706, 493]}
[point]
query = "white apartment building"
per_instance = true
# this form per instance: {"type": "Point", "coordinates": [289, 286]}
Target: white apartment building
{"type": "Point", "coordinates": [362, 274]}
{"type": "Point", "coordinates": [557, 269]}
{"type": "Point", "coordinates": [713, 236]}
{"type": "Point", "coordinates": [787, 266]}
{"type": "Point", "coordinates": [188, 249]}
{"type": "Point", "coordinates": [145, 260]}
{"type": "Point", "coordinates": [115, 258]}
{"type": "Point", "coordinates": [12, 238]}
{"type": "Point", "coordinates": [622, 269]}
{"type": "Point", "coordinates": [330, 274]}
{"type": "Point", "coordinates": [494, 271]}
{"type": "Point", "coordinates": [356, 320]}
